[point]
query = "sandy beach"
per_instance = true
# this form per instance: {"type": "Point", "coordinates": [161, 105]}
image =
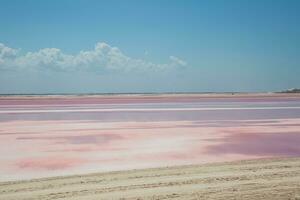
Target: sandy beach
{"type": "Point", "coordinates": [251, 179]}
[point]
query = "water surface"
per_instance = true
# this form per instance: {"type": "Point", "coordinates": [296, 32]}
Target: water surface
{"type": "Point", "coordinates": [50, 136]}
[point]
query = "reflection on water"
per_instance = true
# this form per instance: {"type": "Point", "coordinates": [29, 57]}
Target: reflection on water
{"type": "Point", "coordinates": [264, 144]}
{"type": "Point", "coordinates": [47, 136]}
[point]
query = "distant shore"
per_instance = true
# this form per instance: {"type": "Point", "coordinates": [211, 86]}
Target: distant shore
{"type": "Point", "coordinates": [251, 179]}
{"type": "Point", "coordinates": [212, 94]}
{"type": "Point", "coordinates": [88, 99]}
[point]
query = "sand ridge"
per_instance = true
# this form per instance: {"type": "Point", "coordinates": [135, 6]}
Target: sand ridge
{"type": "Point", "coordinates": [252, 179]}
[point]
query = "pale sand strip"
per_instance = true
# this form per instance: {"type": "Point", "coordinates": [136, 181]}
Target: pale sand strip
{"type": "Point", "coordinates": [253, 179]}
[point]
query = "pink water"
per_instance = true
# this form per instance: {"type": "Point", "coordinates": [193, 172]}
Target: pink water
{"type": "Point", "coordinates": [41, 137]}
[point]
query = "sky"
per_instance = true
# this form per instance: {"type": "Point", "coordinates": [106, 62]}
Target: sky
{"type": "Point", "coordinates": [89, 46]}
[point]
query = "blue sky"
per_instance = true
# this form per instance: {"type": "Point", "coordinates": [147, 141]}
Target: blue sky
{"type": "Point", "coordinates": [72, 46]}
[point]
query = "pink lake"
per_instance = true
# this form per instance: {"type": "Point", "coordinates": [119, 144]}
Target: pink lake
{"type": "Point", "coordinates": [57, 135]}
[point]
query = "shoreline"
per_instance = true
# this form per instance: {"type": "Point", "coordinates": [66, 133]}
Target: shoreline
{"type": "Point", "coordinates": [171, 167]}
{"type": "Point", "coordinates": [131, 99]}
{"type": "Point", "coordinates": [143, 98]}
{"type": "Point", "coordinates": [179, 94]}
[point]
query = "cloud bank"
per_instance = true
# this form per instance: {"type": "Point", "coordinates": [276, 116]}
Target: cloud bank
{"type": "Point", "coordinates": [102, 58]}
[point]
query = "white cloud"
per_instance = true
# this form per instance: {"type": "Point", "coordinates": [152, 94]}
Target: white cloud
{"type": "Point", "coordinates": [177, 61]}
{"type": "Point", "coordinates": [6, 53]}
{"type": "Point", "coordinates": [102, 57]}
